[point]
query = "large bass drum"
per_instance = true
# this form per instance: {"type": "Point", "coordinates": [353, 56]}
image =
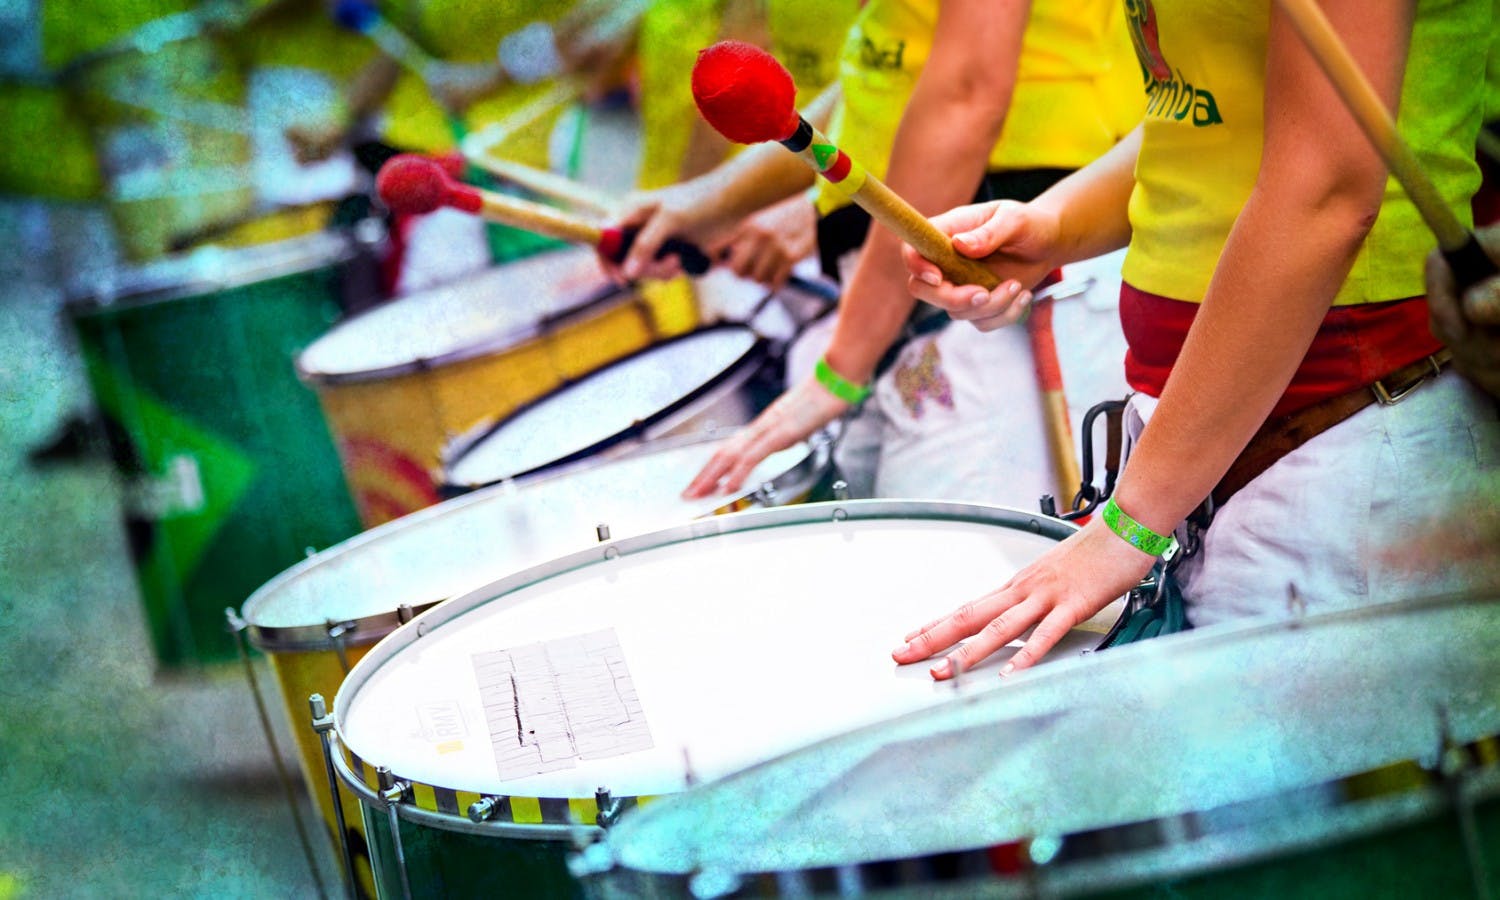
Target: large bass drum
{"type": "Point", "coordinates": [1349, 755]}
{"type": "Point", "coordinates": [492, 731]}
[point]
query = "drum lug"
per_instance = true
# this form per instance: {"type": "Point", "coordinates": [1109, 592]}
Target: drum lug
{"type": "Point", "coordinates": [609, 808]}
{"type": "Point", "coordinates": [480, 810]}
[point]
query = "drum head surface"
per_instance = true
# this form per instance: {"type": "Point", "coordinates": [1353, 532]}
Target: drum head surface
{"type": "Point", "coordinates": [1185, 723]}
{"type": "Point", "coordinates": [603, 405]}
{"type": "Point", "coordinates": [443, 551]}
{"type": "Point", "coordinates": [711, 653]}
{"type": "Point", "coordinates": [489, 310]}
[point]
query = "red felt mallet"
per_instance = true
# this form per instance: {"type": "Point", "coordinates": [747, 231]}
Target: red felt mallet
{"type": "Point", "coordinates": [748, 96]}
{"type": "Point", "coordinates": [415, 184]}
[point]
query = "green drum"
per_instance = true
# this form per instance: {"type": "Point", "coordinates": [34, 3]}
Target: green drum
{"type": "Point", "coordinates": [229, 473]}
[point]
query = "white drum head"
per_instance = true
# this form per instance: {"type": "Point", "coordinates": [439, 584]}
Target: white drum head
{"type": "Point", "coordinates": [455, 546]}
{"type": "Point", "coordinates": [487, 312]}
{"type": "Point", "coordinates": [603, 405]}
{"type": "Point", "coordinates": [767, 631]}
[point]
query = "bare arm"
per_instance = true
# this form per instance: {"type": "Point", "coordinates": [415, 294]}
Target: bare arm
{"type": "Point", "coordinates": [1317, 194]}
{"type": "Point", "coordinates": [942, 146]}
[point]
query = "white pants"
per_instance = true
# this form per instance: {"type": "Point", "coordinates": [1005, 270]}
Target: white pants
{"type": "Point", "coordinates": [1324, 518]}
{"type": "Point", "coordinates": [958, 416]}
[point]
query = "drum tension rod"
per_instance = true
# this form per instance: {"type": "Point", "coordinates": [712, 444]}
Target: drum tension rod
{"type": "Point", "coordinates": [392, 792]}
{"type": "Point", "coordinates": [322, 723]}
{"type": "Point", "coordinates": [237, 627]}
{"type": "Point", "coordinates": [609, 806]}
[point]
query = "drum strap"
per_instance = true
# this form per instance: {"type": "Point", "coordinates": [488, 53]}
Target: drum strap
{"type": "Point", "coordinates": [1279, 437]}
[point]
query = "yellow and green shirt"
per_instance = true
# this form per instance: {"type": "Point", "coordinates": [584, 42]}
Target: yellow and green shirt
{"type": "Point", "coordinates": [1075, 95]}
{"type": "Point", "coordinates": [805, 37]}
{"type": "Point", "coordinates": [1204, 72]}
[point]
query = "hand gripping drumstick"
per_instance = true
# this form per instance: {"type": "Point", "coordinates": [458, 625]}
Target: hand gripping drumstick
{"type": "Point", "coordinates": [1468, 260]}
{"type": "Point", "coordinates": [748, 97]}
{"type": "Point", "coordinates": [416, 184]}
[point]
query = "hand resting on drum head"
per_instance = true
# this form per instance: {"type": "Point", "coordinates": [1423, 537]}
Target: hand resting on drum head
{"type": "Point", "coordinates": [1080, 576]}
{"type": "Point", "coordinates": [794, 417]}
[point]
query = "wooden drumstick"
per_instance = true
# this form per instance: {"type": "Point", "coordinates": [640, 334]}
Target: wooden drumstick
{"type": "Point", "coordinates": [749, 97]}
{"type": "Point", "coordinates": [546, 184]}
{"type": "Point", "coordinates": [416, 184]}
{"type": "Point", "coordinates": [1049, 381]}
{"type": "Point", "coordinates": [1468, 260]}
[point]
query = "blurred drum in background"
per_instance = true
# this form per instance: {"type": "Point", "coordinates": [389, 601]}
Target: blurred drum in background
{"type": "Point", "coordinates": [495, 728]}
{"type": "Point", "coordinates": [1348, 754]}
{"type": "Point", "coordinates": [710, 379]}
{"type": "Point", "coordinates": [166, 109]}
{"type": "Point", "coordinates": [230, 475]}
{"type": "Point", "coordinates": [399, 382]}
{"type": "Point", "coordinates": [321, 616]}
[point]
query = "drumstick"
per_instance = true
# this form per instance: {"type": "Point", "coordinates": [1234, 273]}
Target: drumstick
{"type": "Point", "coordinates": [361, 16]}
{"type": "Point", "coordinates": [1048, 370]}
{"type": "Point", "coordinates": [538, 181]}
{"type": "Point", "coordinates": [748, 97]}
{"type": "Point", "coordinates": [415, 184]}
{"type": "Point", "coordinates": [1468, 260]}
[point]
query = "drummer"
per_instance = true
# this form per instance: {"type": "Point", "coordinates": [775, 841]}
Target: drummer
{"type": "Point", "coordinates": [1271, 279]}
{"type": "Point", "coordinates": [677, 145]}
{"type": "Point", "coordinates": [1059, 102]}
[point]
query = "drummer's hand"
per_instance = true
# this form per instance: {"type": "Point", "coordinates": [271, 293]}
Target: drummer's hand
{"type": "Point", "coordinates": [794, 416]}
{"type": "Point", "coordinates": [1066, 586]}
{"type": "Point", "coordinates": [1014, 240]}
{"type": "Point", "coordinates": [769, 243]}
{"type": "Point", "coordinates": [674, 211]}
{"type": "Point", "coordinates": [1469, 325]}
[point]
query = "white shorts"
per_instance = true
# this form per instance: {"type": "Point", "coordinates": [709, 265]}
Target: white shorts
{"type": "Point", "coordinates": [958, 416]}
{"type": "Point", "coordinates": [1325, 518]}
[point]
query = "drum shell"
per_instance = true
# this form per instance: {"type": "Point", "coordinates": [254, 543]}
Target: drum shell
{"type": "Point", "coordinates": [391, 427]}
{"type": "Point", "coordinates": [229, 472]}
{"type": "Point", "coordinates": [733, 397]}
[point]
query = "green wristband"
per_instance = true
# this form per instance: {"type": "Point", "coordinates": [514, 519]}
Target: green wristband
{"type": "Point", "coordinates": [1135, 534]}
{"type": "Point", "coordinates": [838, 385]}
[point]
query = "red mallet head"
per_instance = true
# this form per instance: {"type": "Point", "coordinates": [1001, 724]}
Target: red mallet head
{"type": "Point", "coordinates": [744, 93]}
{"type": "Point", "coordinates": [415, 184]}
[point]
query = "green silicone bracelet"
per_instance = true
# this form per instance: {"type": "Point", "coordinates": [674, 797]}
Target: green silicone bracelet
{"type": "Point", "coordinates": [1134, 533]}
{"type": "Point", "coordinates": [838, 385]}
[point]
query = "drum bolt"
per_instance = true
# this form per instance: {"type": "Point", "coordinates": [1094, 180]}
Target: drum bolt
{"type": "Point", "coordinates": [480, 810]}
{"type": "Point", "coordinates": [841, 490]}
{"type": "Point", "coordinates": [236, 624]}
{"type": "Point", "coordinates": [1048, 504]}
{"type": "Point", "coordinates": [404, 613]}
{"type": "Point", "coordinates": [321, 720]}
{"type": "Point", "coordinates": [609, 808]}
{"type": "Point", "coordinates": [601, 531]}
{"type": "Point", "coordinates": [766, 496]}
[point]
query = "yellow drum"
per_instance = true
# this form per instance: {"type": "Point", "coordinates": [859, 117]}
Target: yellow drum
{"type": "Point", "coordinates": [165, 106]}
{"type": "Point", "coordinates": [318, 618]}
{"type": "Point", "coordinates": [399, 382]}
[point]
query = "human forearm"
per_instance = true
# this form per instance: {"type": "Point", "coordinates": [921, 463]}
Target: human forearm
{"type": "Point", "coordinates": [1278, 274]}
{"type": "Point", "coordinates": [1092, 204]}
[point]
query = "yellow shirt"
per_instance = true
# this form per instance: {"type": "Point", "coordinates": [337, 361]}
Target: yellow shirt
{"type": "Point", "coordinates": [805, 37]}
{"type": "Point", "coordinates": [1072, 101]}
{"type": "Point", "coordinates": [1204, 129]}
